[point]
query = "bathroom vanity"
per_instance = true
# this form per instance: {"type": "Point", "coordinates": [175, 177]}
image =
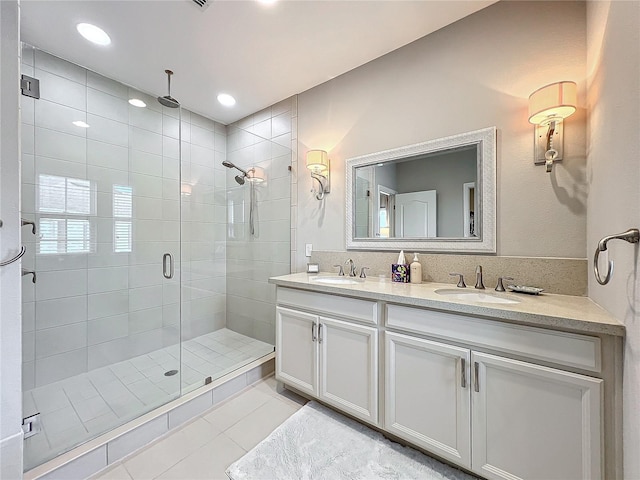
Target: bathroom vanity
{"type": "Point", "coordinates": [507, 386]}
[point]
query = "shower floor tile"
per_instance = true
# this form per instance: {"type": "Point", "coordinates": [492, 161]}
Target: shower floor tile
{"type": "Point", "coordinates": [82, 407]}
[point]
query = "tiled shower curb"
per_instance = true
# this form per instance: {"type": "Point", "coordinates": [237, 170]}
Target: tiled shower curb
{"type": "Point", "coordinates": [97, 454]}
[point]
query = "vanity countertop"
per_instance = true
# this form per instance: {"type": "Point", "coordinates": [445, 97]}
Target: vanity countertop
{"type": "Point", "coordinates": [546, 310]}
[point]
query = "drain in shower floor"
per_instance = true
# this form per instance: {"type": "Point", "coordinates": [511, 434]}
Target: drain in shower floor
{"type": "Point", "coordinates": [170, 373]}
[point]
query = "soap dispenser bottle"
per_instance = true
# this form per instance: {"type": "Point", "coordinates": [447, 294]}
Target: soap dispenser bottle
{"type": "Point", "coordinates": [416, 270]}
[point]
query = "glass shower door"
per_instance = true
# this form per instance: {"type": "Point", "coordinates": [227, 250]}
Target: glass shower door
{"type": "Point", "coordinates": [101, 323]}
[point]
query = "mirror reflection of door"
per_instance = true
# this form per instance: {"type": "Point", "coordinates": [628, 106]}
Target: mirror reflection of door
{"type": "Point", "coordinates": [469, 209]}
{"type": "Point", "coordinates": [385, 221]}
{"type": "Point", "coordinates": [416, 214]}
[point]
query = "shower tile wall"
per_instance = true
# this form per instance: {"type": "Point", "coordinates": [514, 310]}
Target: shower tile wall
{"type": "Point", "coordinates": [100, 296]}
{"type": "Point", "coordinates": [261, 140]}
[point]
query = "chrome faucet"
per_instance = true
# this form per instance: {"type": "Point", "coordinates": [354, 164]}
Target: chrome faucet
{"type": "Point", "coordinates": [352, 268]}
{"type": "Point", "coordinates": [479, 283]}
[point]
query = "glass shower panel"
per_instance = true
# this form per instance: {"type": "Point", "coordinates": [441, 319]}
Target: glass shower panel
{"type": "Point", "coordinates": [100, 181]}
{"type": "Point", "coordinates": [228, 305]}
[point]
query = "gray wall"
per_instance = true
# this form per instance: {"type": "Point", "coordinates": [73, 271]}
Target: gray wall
{"type": "Point", "coordinates": [473, 74]}
{"type": "Point", "coordinates": [614, 191]}
{"type": "Point", "coordinates": [446, 174]}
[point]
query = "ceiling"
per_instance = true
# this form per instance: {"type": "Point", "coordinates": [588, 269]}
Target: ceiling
{"type": "Point", "coordinates": [259, 53]}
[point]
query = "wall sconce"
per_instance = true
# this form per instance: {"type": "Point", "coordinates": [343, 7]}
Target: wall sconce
{"type": "Point", "coordinates": [185, 190]}
{"type": "Point", "coordinates": [318, 163]}
{"type": "Point", "coordinates": [548, 107]}
{"type": "Point", "coordinates": [255, 175]}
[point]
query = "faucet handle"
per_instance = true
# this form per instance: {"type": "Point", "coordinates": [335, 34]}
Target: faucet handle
{"type": "Point", "coordinates": [500, 286]}
{"type": "Point", "coordinates": [341, 271]}
{"type": "Point", "coordinates": [362, 274]}
{"type": "Point", "coordinates": [461, 283]}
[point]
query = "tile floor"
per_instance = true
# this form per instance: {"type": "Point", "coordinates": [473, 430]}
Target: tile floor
{"type": "Point", "coordinates": [82, 407]}
{"type": "Point", "coordinates": [207, 445]}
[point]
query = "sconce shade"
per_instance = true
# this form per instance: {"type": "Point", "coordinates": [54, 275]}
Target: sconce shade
{"type": "Point", "coordinates": [255, 174]}
{"type": "Point", "coordinates": [317, 160]}
{"type": "Point", "coordinates": [185, 189]}
{"type": "Point", "coordinates": [553, 102]}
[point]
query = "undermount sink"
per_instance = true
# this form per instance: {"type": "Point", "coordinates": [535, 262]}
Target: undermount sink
{"type": "Point", "coordinates": [475, 296]}
{"type": "Point", "coordinates": [336, 280]}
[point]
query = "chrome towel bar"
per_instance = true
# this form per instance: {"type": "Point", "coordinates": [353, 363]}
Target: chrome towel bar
{"type": "Point", "coordinates": [632, 236]}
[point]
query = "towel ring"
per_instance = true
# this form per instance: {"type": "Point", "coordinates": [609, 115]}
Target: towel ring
{"type": "Point", "coordinates": [632, 236]}
{"type": "Point", "coordinates": [14, 259]}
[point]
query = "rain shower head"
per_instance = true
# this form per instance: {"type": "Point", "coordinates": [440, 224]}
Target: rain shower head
{"type": "Point", "coordinates": [168, 100]}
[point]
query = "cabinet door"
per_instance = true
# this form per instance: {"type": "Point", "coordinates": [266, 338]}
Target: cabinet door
{"type": "Point", "coordinates": [349, 367]}
{"type": "Point", "coordinates": [427, 399]}
{"type": "Point", "coordinates": [296, 351]}
{"type": "Point", "coordinates": [534, 422]}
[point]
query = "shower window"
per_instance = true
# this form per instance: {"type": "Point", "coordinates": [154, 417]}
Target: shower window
{"type": "Point", "coordinates": [64, 204]}
{"type": "Point", "coordinates": [122, 212]}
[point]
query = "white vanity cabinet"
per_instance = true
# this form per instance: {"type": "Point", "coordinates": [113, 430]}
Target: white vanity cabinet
{"type": "Point", "coordinates": [334, 360]}
{"type": "Point", "coordinates": [427, 399]}
{"type": "Point", "coordinates": [501, 418]}
{"type": "Point", "coordinates": [530, 421]}
{"type": "Point", "coordinates": [504, 400]}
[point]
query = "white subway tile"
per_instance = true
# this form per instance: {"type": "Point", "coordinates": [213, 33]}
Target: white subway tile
{"type": "Point", "coordinates": [146, 297]}
{"type": "Point", "coordinates": [107, 85]}
{"type": "Point", "coordinates": [170, 126]}
{"type": "Point", "coordinates": [170, 147]}
{"type": "Point", "coordinates": [145, 140]}
{"type": "Point", "coordinates": [67, 261]}
{"type": "Point", "coordinates": [108, 304]}
{"type": "Point", "coordinates": [58, 367]}
{"type": "Point", "coordinates": [147, 230]}
{"type": "Point", "coordinates": [146, 185]}
{"type": "Point", "coordinates": [60, 168]}
{"type": "Point", "coordinates": [145, 118]}
{"type": "Point", "coordinates": [28, 376]}
{"type": "Point", "coordinates": [145, 275]}
{"type": "Point", "coordinates": [202, 156]}
{"type": "Point", "coordinates": [49, 143]}
{"type": "Point", "coordinates": [202, 122]}
{"type": "Point", "coordinates": [28, 346]}
{"type": "Point", "coordinates": [60, 67]}
{"type": "Point", "coordinates": [107, 328]}
{"type": "Point", "coordinates": [145, 320]}
{"type": "Point", "coordinates": [107, 155]}
{"type": "Point", "coordinates": [171, 168]}
{"type": "Point", "coordinates": [28, 139]}
{"type": "Point", "coordinates": [108, 353]}
{"type": "Point", "coordinates": [61, 283]}
{"type": "Point", "coordinates": [62, 311]}
{"type": "Point", "coordinates": [56, 340]}
{"type": "Point", "coordinates": [133, 440]}
{"type": "Point", "coordinates": [152, 102]}
{"type": "Point", "coordinates": [61, 90]}
{"type": "Point", "coordinates": [83, 467]}
{"type": "Point", "coordinates": [106, 178]}
{"type": "Point", "coordinates": [108, 131]}
{"type": "Point", "coordinates": [145, 163]}
{"type": "Point", "coordinates": [27, 110]}
{"type": "Point", "coordinates": [109, 279]}
{"type": "Point", "coordinates": [108, 106]}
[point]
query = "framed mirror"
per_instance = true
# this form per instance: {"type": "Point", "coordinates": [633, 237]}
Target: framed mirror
{"type": "Point", "coordinates": [437, 196]}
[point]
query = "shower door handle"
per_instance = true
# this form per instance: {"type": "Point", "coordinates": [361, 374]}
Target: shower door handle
{"type": "Point", "coordinates": [167, 266]}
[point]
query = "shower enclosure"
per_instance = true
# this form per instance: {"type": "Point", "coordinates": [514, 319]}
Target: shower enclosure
{"type": "Point", "coordinates": [151, 262]}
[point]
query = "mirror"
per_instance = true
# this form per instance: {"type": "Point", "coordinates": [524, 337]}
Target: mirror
{"type": "Point", "coordinates": [432, 196]}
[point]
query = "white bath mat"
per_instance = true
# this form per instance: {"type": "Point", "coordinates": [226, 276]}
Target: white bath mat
{"type": "Point", "coordinates": [318, 443]}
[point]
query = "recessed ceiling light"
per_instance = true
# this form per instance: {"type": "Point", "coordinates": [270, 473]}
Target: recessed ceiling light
{"type": "Point", "coordinates": [136, 102]}
{"type": "Point", "coordinates": [267, 2]}
{"type": "Point", "coordinates": [93, 34]}
{"type": "Point", "coordinates": [81, 124]}
{"type": "Point", "coordinates": [226, 100]}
